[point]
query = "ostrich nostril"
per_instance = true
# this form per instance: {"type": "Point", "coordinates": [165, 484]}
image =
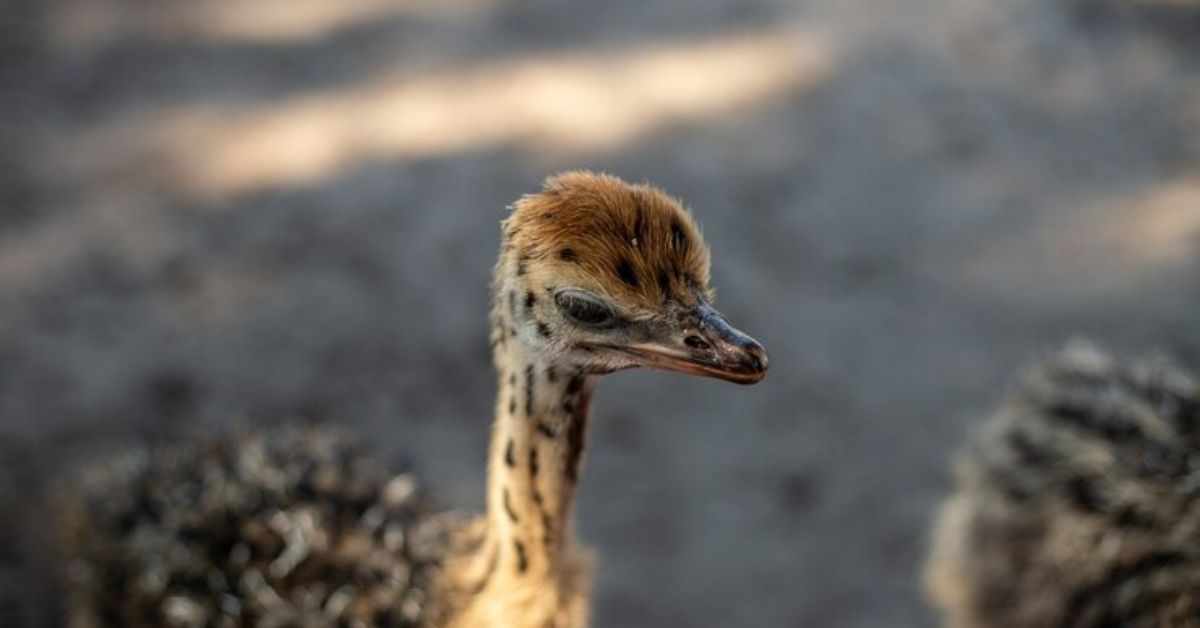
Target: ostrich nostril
{"type": "Point", "coordinates": [696, 342]}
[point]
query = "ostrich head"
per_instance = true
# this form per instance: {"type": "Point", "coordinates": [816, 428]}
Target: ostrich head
{"type": "Point", "coordinates": [601, 275]}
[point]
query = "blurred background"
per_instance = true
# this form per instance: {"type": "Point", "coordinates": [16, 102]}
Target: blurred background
{"type": "Point", "coordinates": [215, 212]}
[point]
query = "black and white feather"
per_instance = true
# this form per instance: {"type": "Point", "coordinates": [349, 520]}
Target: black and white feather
{"type": "Point", "coordinates": [295, 527]}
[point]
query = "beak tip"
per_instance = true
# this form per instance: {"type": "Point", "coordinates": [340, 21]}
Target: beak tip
{"type": "Point", "coordinates": [754, 364]}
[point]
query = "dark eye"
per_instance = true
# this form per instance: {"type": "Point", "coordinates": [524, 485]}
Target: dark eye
{"type": "Point", "coordinates": [584, 309]}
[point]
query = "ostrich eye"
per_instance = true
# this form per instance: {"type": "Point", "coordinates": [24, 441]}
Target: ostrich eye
{"type": "Point", "coordinates": [584, 308]}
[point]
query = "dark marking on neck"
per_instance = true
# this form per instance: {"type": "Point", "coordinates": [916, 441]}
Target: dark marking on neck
{"type": "Point", "coordinates": [547, 529]}
{"type": "Point", "coordinates": [551, 374]}
{"type": "Point", "coordinates": [508, 509]}
{"type": "Point", "coordinates": [575, 431]}
{"type": "Point", "coordinates": [522, 264]}
{"type": "Point", "coordinates": [509, 460]}
{"type": "Point", "coordinates": [546, 430]}
{"type": "Point", "coordinates": [543, 330]}
{"type": "Point", "coordinates": [536, 492]}
{"type": "Point", "coordinates": [625, 272]}
{"type": "Point", "coordinates": [575, 385]}
{"type": "Point", "coordinates": [522, 559]}
{"type": "Point", "coordinates": [529, 390]}
{"type": "Point", "coordinates": [512, 402]}
{"type": "Point", "coordinates": [530, 301]}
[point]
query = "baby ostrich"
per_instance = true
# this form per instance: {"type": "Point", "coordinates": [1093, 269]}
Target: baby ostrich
{"type": "Point", "coordinates": [1076, 504]}
{"type": "Point", "coordinates": [296, 529]}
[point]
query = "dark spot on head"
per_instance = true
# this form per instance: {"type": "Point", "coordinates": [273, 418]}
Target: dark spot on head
{"type": "Point", "coordinates": [551, 374]}
{"type": "Point", "coordinates": [625, 272]}
{"type": "Point", "coordinates": [543, 330]}
{"type": "Point", "coordinates": [575, 385]}
{"type": "Point", "coordinates": [533, 462]}
{"type": "Point", "coordinates": [679, 240]}
{"type": "Point", "coordinates": [509, 459]}
{"type": "Point", "coordinates": [567, 255]}
{"type": "Point", "coordinates": [546, 430]}
{"type": "Point", "coordinates": [530, 300]}
{"type": "Point", "coordinates": [522, 263]}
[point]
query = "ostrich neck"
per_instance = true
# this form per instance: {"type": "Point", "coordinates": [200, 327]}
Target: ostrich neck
{"type": "Point", "coordinates": [534, 458]}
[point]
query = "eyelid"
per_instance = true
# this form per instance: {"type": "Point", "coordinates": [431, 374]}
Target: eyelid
{"type": "Point", "coordinates": [583, 295]}
{"type": "Point", "coordinates": [563, 296]}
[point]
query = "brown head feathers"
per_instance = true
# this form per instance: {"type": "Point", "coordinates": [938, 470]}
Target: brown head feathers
{"type": "Point", "coordinates": [633, 242]}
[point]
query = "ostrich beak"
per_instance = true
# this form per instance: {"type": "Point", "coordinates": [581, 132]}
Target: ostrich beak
{"type": "Point", "coordinates": [703, 344]}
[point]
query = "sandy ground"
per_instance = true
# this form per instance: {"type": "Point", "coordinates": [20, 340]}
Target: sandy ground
{"type": "Point", "coordinates": [217, 211]}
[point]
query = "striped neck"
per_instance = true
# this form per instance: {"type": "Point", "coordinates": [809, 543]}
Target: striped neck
{"type": "Point", "coordinates": [534, 460]}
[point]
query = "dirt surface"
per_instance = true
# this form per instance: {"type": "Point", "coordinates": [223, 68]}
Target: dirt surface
{"type": "Point", "coordinates": [216, 211]}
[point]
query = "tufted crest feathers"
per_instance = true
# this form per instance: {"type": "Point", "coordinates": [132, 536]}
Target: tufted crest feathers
{"type": "Point", "coordinates": [629, 241]}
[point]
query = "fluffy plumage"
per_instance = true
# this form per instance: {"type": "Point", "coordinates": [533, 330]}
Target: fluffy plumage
{"type": "Point", "coordinates": [294, 527]}
{"type": "Point", "coordinates": [1075, 504]}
